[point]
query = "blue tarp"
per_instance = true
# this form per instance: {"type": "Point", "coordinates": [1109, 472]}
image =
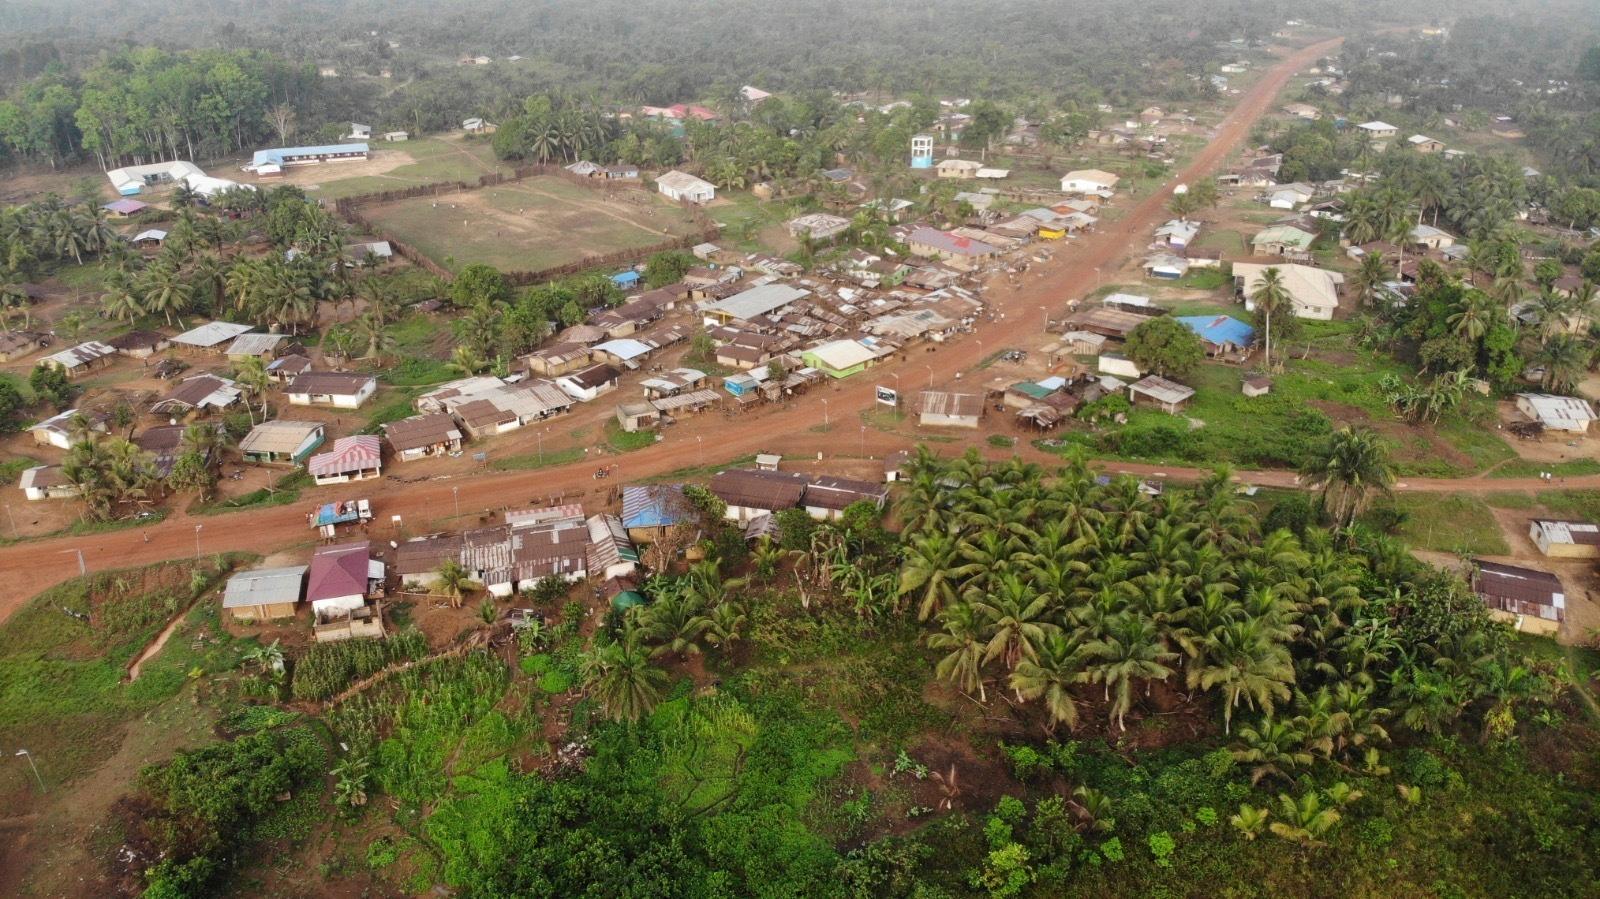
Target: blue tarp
{"type": "Point", "coordinates": [625, 279]}
{"type": "Point", "coordinates": [1220, 330]}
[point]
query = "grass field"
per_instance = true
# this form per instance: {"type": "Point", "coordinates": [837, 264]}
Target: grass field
{"type": "Point", "coordinates": [1453, 523]}
{"type": "Point", "coordinates": [62, 677]}
{"type": "Point", "coordinates": [432, 159]}
{"type": "Point", "coordinates": [1308, 399]}
{"type": "Point", "coordinates": [529, 225]}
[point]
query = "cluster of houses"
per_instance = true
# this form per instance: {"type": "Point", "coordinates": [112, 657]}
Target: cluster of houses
{"type": "Point", "coordinates": [345, 581]}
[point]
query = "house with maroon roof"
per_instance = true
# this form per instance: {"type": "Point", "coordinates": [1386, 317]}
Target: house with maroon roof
{"type": "Point", "coordinates": [340, 578]}
{"type": "Point", "coordinates": [963, 253]}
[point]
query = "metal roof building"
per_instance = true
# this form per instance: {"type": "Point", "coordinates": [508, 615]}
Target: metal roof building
{"type": "Point", "coordinates": [756, 301]}
{"type": "Point", "coordinates": [210, 334]}
{"type": "Point", "coordinates": [264, 586]}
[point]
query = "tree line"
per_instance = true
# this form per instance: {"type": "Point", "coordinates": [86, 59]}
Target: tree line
{"type": "Point", "coordinates": [144, 105]}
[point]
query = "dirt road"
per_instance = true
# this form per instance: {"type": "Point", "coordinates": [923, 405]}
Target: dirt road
{"type": "Point", "coordinates": [33, 566]}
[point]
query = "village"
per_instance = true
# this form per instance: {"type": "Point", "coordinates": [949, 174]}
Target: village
{"type": "Point", "coordinates": [985, 451]}
{"type": "Point", "coordinates": [739, 331]}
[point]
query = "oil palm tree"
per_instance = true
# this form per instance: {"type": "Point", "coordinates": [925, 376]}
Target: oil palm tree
{"type": "Point", "coordinates": [1346, 468]}
{"type": "Point", "coordinates": [962, 664]}
{"type": "Point", "coordinates": [455, 581]}
{"type": "Point", "coordinates": [1049, 676]}
{"type": "Point", "coordinates": [1564, 360]}
{"type": "Point", "coordinates": [622, 678]}
{"type": "Point", "coordinates": [725, 625]}
{"type": "Point", "coordinates": [1130, 651]}
{"type": "Point", "coordinates": [674, 624]}
{"type": "Point", "coordinates": [1248, 665]}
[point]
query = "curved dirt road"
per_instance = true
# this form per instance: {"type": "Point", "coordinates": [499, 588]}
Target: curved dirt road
{"type": "Point", "coordinates": [35, 565]}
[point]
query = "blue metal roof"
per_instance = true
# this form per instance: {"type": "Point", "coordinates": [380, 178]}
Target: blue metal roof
{"type": "Point", "coordinates": [1220, 329]}
{"type": "Point", "coordinates": [622, 278]}
{"type": "Point", "coordinates": [653, 505]}
{"type": "Point", "coordinates": [276, 154]}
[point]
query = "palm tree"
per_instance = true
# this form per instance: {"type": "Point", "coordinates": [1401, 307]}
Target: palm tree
{"type": "Point", "coordinates": [1304, 821]}
{"type": "Point", "coordinates": [963, 661]}
{"type": "Point", "coordinates": [1271, 297]}
{"type": "Point", "coordinates": [120, 304]}
{"type": "Point", "coordinates": [621, 677]}
{"type": "Point", "coordinates": [251, 374]}
{"type": "Point", "coordinates": [1346, 468]}
{"type": "Point", "coordinates": [931, 571]}
{"type": "Point", "coordinates": [1564, 360]}
{"type": "Point", "coordinates": [1014, 619]}
{"type": "Point", "coordinates": [1272, 748]}
{"type": "Point", "coordinates": [166, 291]}
{"type": "Point", "coordinates": [1472, 318]}
{"type": "Point", "coordinates": [1248, 664]}
{"type": "Point", "coordinates": [1250, 821]}
{"type": "Point", "coordinates": [1049, 676]}
{"type": "Point", "coordinates": [1129, 651]}
{"type": "Point", "coordinates": [455, 581]}
{"type": "Point", "coordinates": [1369, 278]}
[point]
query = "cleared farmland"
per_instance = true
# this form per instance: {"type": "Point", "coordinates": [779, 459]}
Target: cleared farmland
{"type": "Point", "coordinates": [529, 225]}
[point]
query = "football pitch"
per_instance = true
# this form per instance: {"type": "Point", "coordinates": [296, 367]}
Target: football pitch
{"type": "Point", "coordinates": [529, 225]}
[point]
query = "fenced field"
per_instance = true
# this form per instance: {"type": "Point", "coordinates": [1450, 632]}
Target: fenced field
{"type": "Point", "coordinates": [534, 224]}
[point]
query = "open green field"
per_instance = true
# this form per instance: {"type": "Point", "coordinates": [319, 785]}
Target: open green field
{"type": "Point", "coordinates": [433, 159]}
{"type": "Point", "coordinates": [529, 225]}
{"type": "Point", "coordinates": [1311, 397]}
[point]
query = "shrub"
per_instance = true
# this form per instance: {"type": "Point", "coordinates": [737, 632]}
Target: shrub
{"type": "Point", "coordinates": [1294, 512]}
{"type": "Point", "coordinates": [1025, 761]}
{"type": "Point", "coordinates": [1162, 846]}
{"type": "Point", "coordinates": [1112, 850]}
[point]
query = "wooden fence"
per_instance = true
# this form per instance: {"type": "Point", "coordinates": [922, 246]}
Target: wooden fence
{"type": "Point", "coordinates": [350, 209]}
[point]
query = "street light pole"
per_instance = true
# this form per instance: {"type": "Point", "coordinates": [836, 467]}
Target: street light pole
{"type": "Point", "coordinates": [930, 376]}
{"type": "Point", "coordinates": [455, 494]}
{"type": "Point", "coordinates": [824, 413]}
{"type": "Point", "coordinates": [700, 446]}
{"type": "Point", "coordinates": [896, 376]}
{"type": "Point", "coordinates": [197, 540]}
{"type": "Point", "coordinates": [25, 753]}
{"type": "Point", "coordinates": [82, 568]}
{"type": "Point", "coordinates": [863, 441]}
{"type": "Point", "coordinates": [14, 534]}
{"type": "Point", "coordinates": [1044, 313]}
